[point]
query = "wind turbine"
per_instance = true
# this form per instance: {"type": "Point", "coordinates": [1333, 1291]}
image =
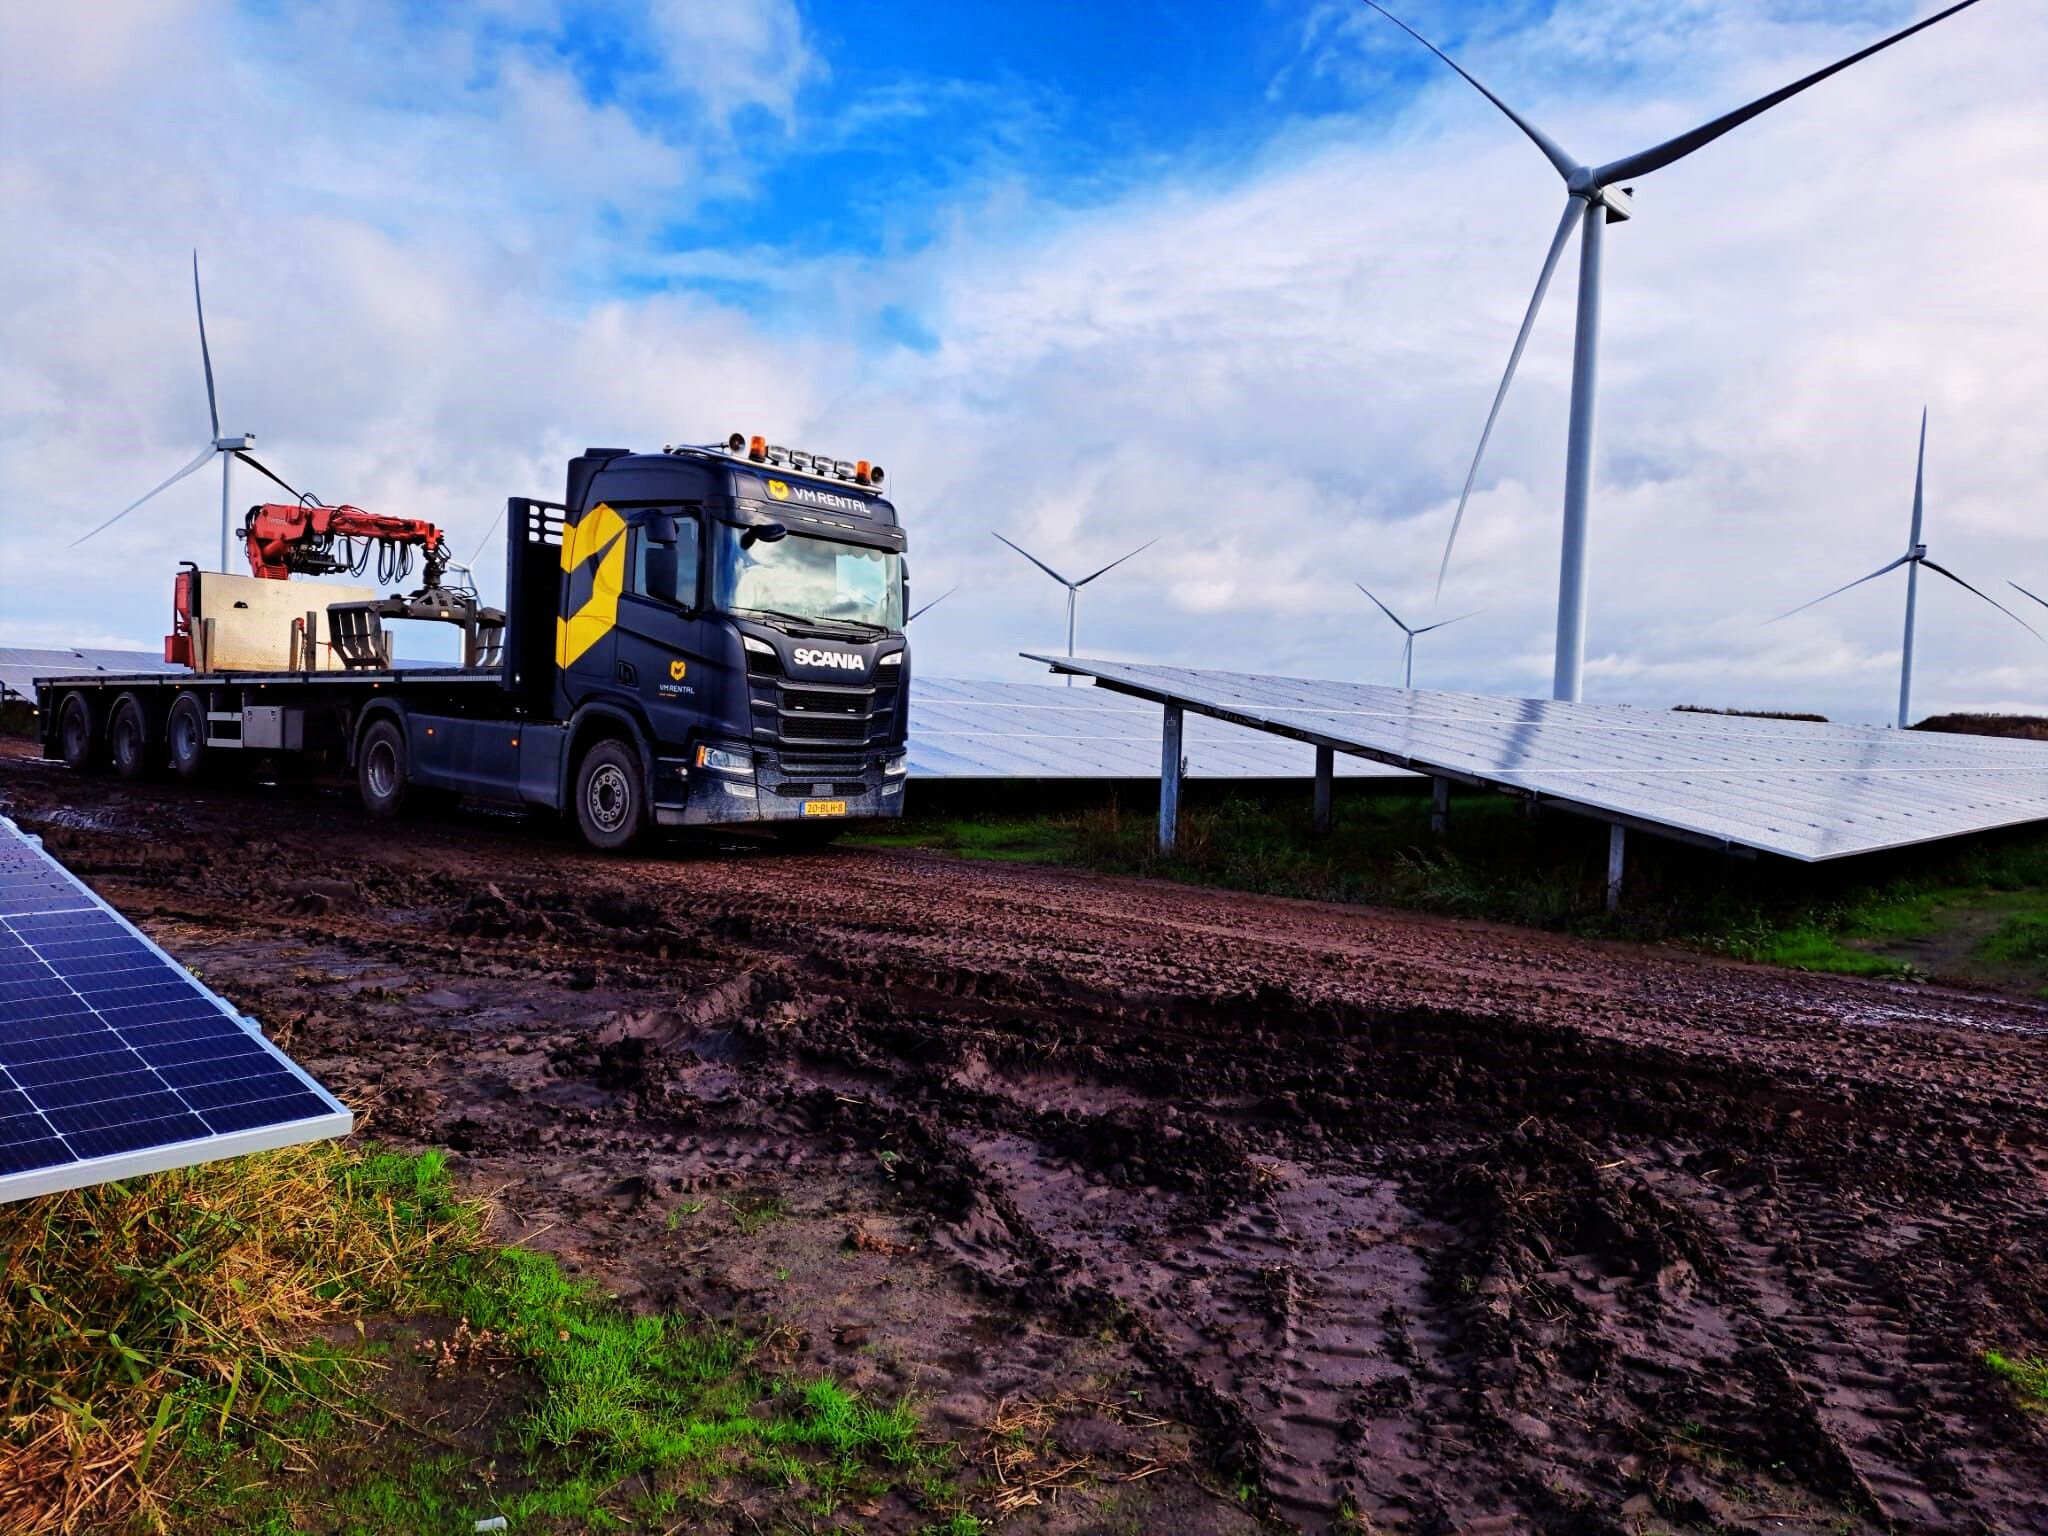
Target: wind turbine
{"type": "Point", "coordinates": [1915, 557]}
{"type": "Point", "coordinates": [229, 448]}
{"type": "Point", "coordinates": [1408, 647]}
{"type": "Point", "coordinates": [1593, 195]}
{"type": "Point", "coordinates": [1074, 587]}
{"type": "Point", "coordinates": [928, 607]}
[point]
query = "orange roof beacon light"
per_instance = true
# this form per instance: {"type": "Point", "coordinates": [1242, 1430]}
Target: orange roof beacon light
{"type": "Point", "coordinates": [860, 471]}
{"type": "Point", "coordinates": [757, 448]}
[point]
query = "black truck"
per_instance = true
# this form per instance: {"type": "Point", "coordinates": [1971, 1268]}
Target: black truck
{"type": "Point", "coordinates": [696, 637]}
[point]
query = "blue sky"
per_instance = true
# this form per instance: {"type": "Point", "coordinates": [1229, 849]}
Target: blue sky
{"type": "Point", "coordinates": [1239, 277]}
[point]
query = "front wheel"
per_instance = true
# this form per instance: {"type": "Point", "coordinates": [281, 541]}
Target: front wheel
{"type": "Point", "coordinates": [611, 797]}
{"type": "Point", "coordinates": [380, 770]}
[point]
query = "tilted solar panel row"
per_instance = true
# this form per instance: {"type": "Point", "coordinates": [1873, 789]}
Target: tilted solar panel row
{"type": "Point", "coordinates": [114, 1060]}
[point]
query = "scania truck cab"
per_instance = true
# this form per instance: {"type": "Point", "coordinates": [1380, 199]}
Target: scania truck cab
{"type": "Point", "coordinates": [703, 636]}
{"type": "Point", "coordinates": [745, 610]}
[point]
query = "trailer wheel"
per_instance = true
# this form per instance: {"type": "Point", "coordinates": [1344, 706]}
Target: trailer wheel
{"type": "Point", "coordinates": [128, 736]}
{"type": "Point", "coordinates": [186, 733]}
{"type": "Point", "coordinates": [380, 770]}
{"type": "Point", "coordinates": [611, 797]}
{"type": "Point", "coordinates": [76, 737]}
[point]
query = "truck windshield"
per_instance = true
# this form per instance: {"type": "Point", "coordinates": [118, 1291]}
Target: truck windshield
{"type": "Point", "coordinates": [805, 578]}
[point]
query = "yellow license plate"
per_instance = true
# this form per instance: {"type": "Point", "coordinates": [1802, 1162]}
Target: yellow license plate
{"type": "Point", "coordinates": [824, 807]}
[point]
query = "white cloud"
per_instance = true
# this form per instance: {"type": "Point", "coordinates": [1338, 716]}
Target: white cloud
{"type": "Point", "coordinates": [737, 54]}
{"type": "Point", "coordinates": [1282, 373]}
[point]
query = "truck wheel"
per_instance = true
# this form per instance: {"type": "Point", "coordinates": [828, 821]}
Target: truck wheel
{"type": "Point", "coordinates": [611, 797]}
{"type": "Point", "coordinates": [186, 733]}
{"type": "Point", "coordinates": [76, 737]}
{"type": "Point", "coordinates": [380, 770]}
{"type": "Point", "coordinates": [128, 736]}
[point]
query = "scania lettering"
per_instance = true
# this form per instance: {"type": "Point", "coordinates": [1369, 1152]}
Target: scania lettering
{"type": "Point", "coordinates": [704, 636]}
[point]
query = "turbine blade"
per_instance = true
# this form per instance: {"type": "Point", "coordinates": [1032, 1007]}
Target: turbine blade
{"type": "Point", "coordinates": [1661, 155]}
{"type": "Point", "coordinates": [2023, 592]}
{"type": "Point", "coordinates": [1564, 229]}
{"type": "Point", "coordinates": [1055, 575]}
{"type": "Point", "coordinates": [1119, 560]}
{"type": "Point", "coordinates": [928, 607]}
{"type": "Point", "coordinates": [1564, 163]}
{"type": "Point", "coordinates": [1881, 570]}
{"type": "Point", "coordinates": [1383, 608]}
{"type": "Point", "coordinates": [250, 460]}
{"type": "Point", "coordinates": [1440, 623]}
{"type": "Point", "coordinates": [1920, 479]}
{"type": "Point", "coordinates": [204, 454]}
{"type": "Point", "coordinates": [1942, 570]}
{"type": "Point", "coordinates": [206, 357]}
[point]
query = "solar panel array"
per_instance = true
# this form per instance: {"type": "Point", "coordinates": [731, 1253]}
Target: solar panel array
{"type": "Point", "coordinates": [979, 730]}
{"type": "Point", "coordinates": [20, 667]}
{"type": "Point", "coordinates": [114, 1060]}
{"type": "Point", "coordinates": [1804, 790]}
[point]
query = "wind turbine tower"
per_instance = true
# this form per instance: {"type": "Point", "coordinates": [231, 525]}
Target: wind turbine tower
{"type": "Point", "coordinates": [1915, 557]}
{"type": "Point", "coordinates": [1074, 587]}
{"type": "Point", "coordinates": [1408, 645]}
{"type": "Point", "coordinates": [229, 447]}
{"type": "Point", "coordinates": [1595, 196]}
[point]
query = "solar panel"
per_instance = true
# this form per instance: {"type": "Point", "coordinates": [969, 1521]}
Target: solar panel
{"type": "Point", "coordinates": [20, 667]}
{"type": "Point", "coordinates": [1801, 789]}
{"type": "Point", "coordinates": [114, 1060]}
{"type": "Point", "coordinates": [983, 730]}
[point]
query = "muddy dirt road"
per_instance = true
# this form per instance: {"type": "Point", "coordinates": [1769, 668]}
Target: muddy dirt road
{"type": "Point", "coordinates": [1257, 1214]}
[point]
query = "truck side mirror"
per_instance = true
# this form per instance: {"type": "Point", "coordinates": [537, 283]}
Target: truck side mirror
{"type": "Point", "coordinates": [763, 533]}
{"type": "Point", "coordinates": [659, 529]}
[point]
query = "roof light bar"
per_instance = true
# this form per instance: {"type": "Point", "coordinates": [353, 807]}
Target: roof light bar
{"type": "Point", "coordinates": [761, 451]}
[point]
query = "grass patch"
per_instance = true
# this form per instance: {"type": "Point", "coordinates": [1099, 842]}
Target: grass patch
{"type": "Point", "coordinates": [174, 1366]}
{"type": "Point", "coordinates": [2029, 1377]}
{"type": "Point", "coordinates": [1931, 910]}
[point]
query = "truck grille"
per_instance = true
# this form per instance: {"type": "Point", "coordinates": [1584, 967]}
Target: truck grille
{"type": "Point", "coordinates": [852, 718]}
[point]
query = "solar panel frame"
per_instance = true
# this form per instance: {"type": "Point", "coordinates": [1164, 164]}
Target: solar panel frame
{"type": "Point", "coordinates": [115, 1054]}
{"type": "Point", "coordinates": [1803, 790]}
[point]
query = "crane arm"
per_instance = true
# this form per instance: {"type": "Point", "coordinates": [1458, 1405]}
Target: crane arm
{"type": "Point", "coordinates": [287, 539]}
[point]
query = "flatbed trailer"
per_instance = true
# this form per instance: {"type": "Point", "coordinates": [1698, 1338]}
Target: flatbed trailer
{"type": "Point", "coordinates": [698, 637]}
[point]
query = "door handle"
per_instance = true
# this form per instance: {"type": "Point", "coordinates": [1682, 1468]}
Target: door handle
{"type": "Point", "coordinates": [627, 675]}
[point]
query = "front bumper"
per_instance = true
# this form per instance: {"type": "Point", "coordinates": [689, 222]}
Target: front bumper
{"type": "Point", "coordinates": [776, 792]}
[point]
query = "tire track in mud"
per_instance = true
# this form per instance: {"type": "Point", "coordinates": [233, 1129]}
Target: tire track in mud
{"type": "Point", "coordinates": [1424, 1226]}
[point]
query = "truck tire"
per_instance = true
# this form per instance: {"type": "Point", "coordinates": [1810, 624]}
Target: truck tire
{"type": "Point", "coordinates": [381, 769]}
{"type": "Point", "coordinates": [185, 733]}
{"type": "Point", "coordinates": [78, 736]}
{"type": "Point", "coordinates": [611, 797]}
{"type": "Point", "coordinates": [128, 738]}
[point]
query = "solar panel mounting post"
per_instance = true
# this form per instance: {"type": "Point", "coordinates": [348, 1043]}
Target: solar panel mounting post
{"type": "Point", "coordinates": [1439, 804]}
{"type": "Point", "coordinates": [1326, 771]}
{"type": "Point", "coordinates": [1617, 852]}
{"type": "Point", "coordinates": [1169, 777]}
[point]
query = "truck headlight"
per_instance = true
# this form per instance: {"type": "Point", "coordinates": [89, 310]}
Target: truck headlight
{"type": "Point", "coordinates": [893, 659]}
{"type": "Point", "coordinates": [724, 760]}
{"type": "Point", "coordinates": [897, 766]}
{"type": "Point", "coordinates": [762, 646]}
